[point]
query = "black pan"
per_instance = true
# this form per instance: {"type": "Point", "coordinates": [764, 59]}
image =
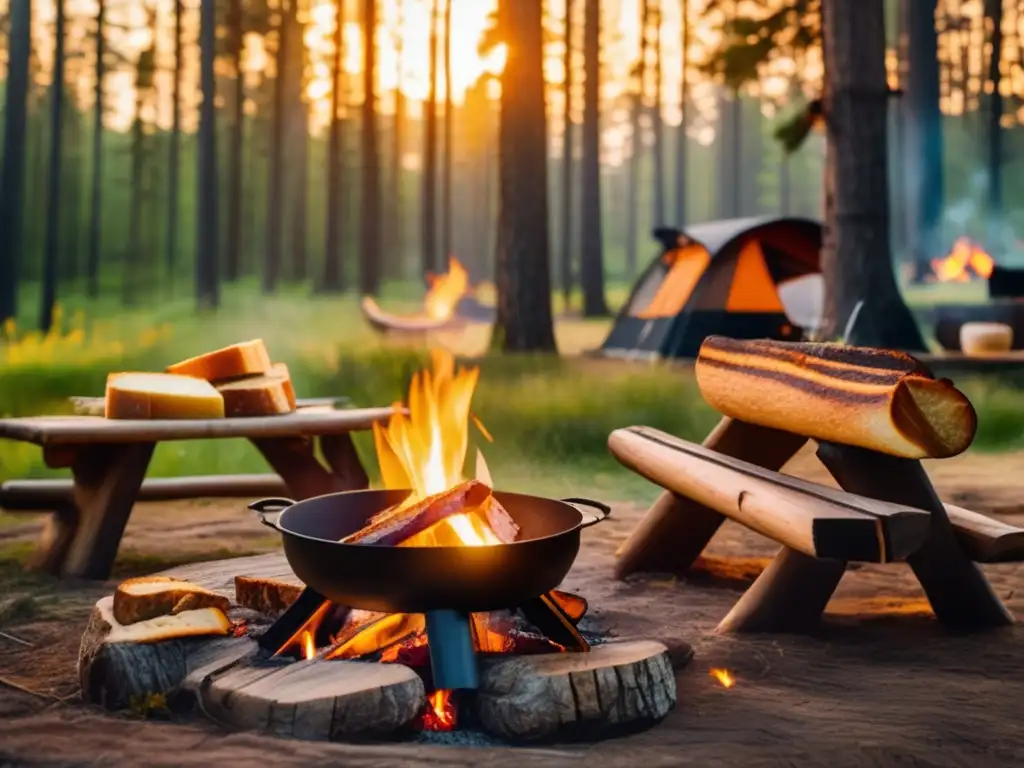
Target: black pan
{"type": "Point", "coordinates": [422, 579]}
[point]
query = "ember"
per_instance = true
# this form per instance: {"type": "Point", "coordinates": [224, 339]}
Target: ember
{"type": "Point", "coordinates": [441, 714]}
{"type": "Point", "coordinates": [723, 676]}
{"type": "Point", "coordinates": [965, 261]}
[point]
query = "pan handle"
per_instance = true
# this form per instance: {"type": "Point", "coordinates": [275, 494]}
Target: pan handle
{"type": "Point", "coordinates": [272, 507]}
{"type": "Point", "coordinates": [603, 511]}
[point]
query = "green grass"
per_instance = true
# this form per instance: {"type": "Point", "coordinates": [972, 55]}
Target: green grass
{"type": "Point", "coordinates": [550, 416]}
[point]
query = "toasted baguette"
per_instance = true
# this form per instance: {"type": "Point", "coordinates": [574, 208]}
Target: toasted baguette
{"type": "Point", "coordinates": [149, 596]}
{"type": "Point", "coordinates": [161, 396]}
{"type": "Point", "coordinates": [257, 396]}
{"type": "Point", "coordinates": [249, 358]}
{"type": "Point", "coordinates": [877, 399]}
{"type": "Point", "coordinates": [203, 621]}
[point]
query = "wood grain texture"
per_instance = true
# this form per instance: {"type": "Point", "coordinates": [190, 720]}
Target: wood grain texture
{"type": "Point", "coordinates": [47, 430]}
{"type": "Point", "coordinates": [985, 539]}
{"type": "Point", "coordinates": [676, 529]}
{"type": "Point", "coordinates": [810, 518]}
{"type": "Point", "coordinates": [615, 685]}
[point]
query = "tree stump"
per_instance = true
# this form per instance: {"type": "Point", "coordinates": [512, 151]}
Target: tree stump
{"type": "Point", "coordinates": [316, 699]}
{"type": "Point", "coordinates": [615, 685]}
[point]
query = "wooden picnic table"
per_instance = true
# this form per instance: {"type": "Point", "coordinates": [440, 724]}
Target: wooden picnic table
{"type": "Point", "coordinates": [109, 458]}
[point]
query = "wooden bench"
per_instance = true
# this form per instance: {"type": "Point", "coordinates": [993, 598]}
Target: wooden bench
{"type": "Point", "coordinates": [108, 460]}
{"type": "Point", "coordinates": [734, 475]}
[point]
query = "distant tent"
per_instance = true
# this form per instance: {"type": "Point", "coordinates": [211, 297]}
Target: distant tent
{"type": "Point", "coordinates": [720, 277]}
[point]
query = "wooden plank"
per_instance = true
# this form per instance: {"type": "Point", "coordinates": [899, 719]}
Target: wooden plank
{"type": "Point", "coordinates": [48, 430]}
{"type": "Point", "coordinates": [958, 591]}
{"type": "Point", "coordinates": [813, 519]}
{"type": "Point", "coordinates": [42, 495]}
{"type": "Point", "coordinates": [985, 539]}
{"type": "Point", "coordinates": [675, 530]}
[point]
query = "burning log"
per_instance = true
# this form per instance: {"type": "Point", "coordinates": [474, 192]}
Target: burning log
{"type": "Point", "coordinates": [881, 400]}
{"type": "Point", "coordinates": [396, 525]}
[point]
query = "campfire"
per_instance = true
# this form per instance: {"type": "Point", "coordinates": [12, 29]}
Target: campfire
{"type": "Point", "coordinates": [426, 451]}
{"type": "Point", "coordinates": [966, 261]}
{"type": "Point", "coordinates": [445, 291]}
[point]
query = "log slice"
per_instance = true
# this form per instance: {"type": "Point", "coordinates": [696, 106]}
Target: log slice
{"type": "Point", "coordinates": [615, 687]}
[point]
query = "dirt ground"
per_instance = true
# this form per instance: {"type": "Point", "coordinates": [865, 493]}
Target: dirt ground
{"type": "Point", "coordinates": [879, 684]}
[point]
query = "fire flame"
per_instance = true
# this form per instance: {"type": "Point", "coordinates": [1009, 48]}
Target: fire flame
{"type": "Point", "coordinates": [723, 676]}
{"type": "Point", "coordinates": [965, 260]}
{"type": "Point", "coordinates": [441, 716]}
{"type": "Point", "coordinates": [426, 450]}
{"type": "Point", "coordinates": [445, 291]}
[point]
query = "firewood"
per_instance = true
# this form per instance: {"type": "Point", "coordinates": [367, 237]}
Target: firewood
{"type": "Point", "coordinates": [810, 518]}
{"type": "Point", "coordinates": [147, 597]}
{"type": "Point", "coordinates": [876, 399]}
{"type": "Point", "coordinates": [395, 525]}
{"type": "Point", "coordinates": [267, 596]}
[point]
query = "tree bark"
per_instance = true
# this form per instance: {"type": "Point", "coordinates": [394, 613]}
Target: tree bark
{"type": "Point", "coordinates": [207, 285]}
{"type": "Point", "coordinates": [524, 321]}
{"type": "Point", "coordinates": [396, 228]}
{"type": "Point", "coordinates": [994, 131]}
{"type": "Point", "coordinates": [12, 170]}
{"type": "Point", "coordinates": [334, 274]}
{"type": "Point", "coordinates": [568, 165]}
{"type": "Point", "coordinates": [856, 258]}
{"type": "Point", "coordinates": [370, 254]}
{"type": "Point", "coordinates": [446, 171]}
{"type": "Point", "coordinates": [658, 126]}
{"type": "Point", "coordinates": [53, 198]}
{"type": "Point", "coordinates": [922, 127]}
{"type": "Point", "coordinates": [175, 149]}
{"type": "Point", "coordinates": [591, 234]}
{"type": "Point", "coordinates": [636, 145]}
{"type": "Point", "coordinates": [275, 182]}
{"type": "Point", "coordinates": [236, 24]}
{"type": "Point", "coordinates": [684, 98]}
{"type": "Point", "coordinates": [428, 226]}
{"type": "Point", "coordinates": [92, 266]}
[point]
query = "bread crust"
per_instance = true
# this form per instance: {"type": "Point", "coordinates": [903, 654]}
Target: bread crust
{"type": "Point", "coordinates": [881, 400]}
{"type": "Point", "coordinates": [247, 358]}
{"type": "Point", "coordinates": [147, 597]}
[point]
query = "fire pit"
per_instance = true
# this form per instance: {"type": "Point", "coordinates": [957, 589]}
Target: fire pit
{"type": "Point", "coordinates": [434, 609]}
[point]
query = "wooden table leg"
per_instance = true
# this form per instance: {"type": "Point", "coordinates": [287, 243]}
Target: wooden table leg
{"type": "Point", "coordinates": [789, 596]}
{"type": "Point", "coordinates": [294, 459]}
{"type": "Point", "coordinates": [56, 538]}
{"type": "Point", "coordinates": [107, 482]}
{"type": "Point", "coordinates": [958, 591]}
{"type": "Point", "coordinates": [675, 530]}
{"type": "Point", "coordinates": [340, 454]}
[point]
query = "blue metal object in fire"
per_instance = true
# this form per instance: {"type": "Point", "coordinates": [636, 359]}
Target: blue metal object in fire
{"type": "Point", "coordinates": [452, 657]}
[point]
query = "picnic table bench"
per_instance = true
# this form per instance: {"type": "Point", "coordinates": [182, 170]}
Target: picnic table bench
{"type": "Point", "coordinates": [109, 458]}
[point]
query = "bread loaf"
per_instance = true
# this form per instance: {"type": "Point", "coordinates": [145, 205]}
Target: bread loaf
{"type": "Point", "coordinates": [280, 371]}
{"type": "Point", "coordinates": [161, 396]}
{"type": "Point", "coordinates": [249, 358]}
{"type": "Point", "coordinates": [979, 339]}
{"type": "Point", "coordinates": [882, 400]}
{"type": "Point", "coordinates": [267, 596]}
{"type": "Point", "coordinates": [197, 623]}
{"type": "Point", "coordinates": [150, 596]}
{"type": "Point", "coordinates": [258, 396]}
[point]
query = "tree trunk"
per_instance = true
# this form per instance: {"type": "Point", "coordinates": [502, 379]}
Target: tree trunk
{"type": "Point", "coordinates": [92, 268]}
{"type": "Point", "coordinates": [636, 145]}
{"type": "Point", "coordinates": [658, 126]}
{"type": "Point", "coordinates": [72, 149]}
{"type": "Point", "coordinates": [49, 288]}
{"type": "Point", "coordinates": [175, 149]}
{"type": "Point", "coordinates": [236, 26]}
{"type": "Point", "coordinates": [591, 234]}
{"type": "Point", "coordinates": [446, 171]}
{"type": "Point", "coordinates": [428, 227]}
{"type": "Point", "coordinates": [994, 131]}
{"type": "Point", "coordinates": [12, 169]}
{"type": "Point", "coordinates": [300, 215]}
{"type": "Point", "coordinates": [334, 276]}
{"type": "Point", "coordinates": [370, 253]}
{"type": "Point", "coordinates": [396, 227]}
{"type": "Point", "coordinates": [856, 257]}
{"type": "Point", "coordinates": [684, 98]}
{"type": "Point", "coordinates": [524, 322]}
{"type": "Point", "coordinates": [275, 184]}
{"type": "Point", "coordinates": [922, 126]}
{"type": "Point", "coordinates": [207, 275]}
{"type": "Point", "coordinates": [565, 252]}
{"type": "Point", "coordinates": [131, 265]}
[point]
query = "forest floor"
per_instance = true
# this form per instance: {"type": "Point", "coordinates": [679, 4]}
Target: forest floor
{"type": "Point", "coordinates": [879, 684]}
